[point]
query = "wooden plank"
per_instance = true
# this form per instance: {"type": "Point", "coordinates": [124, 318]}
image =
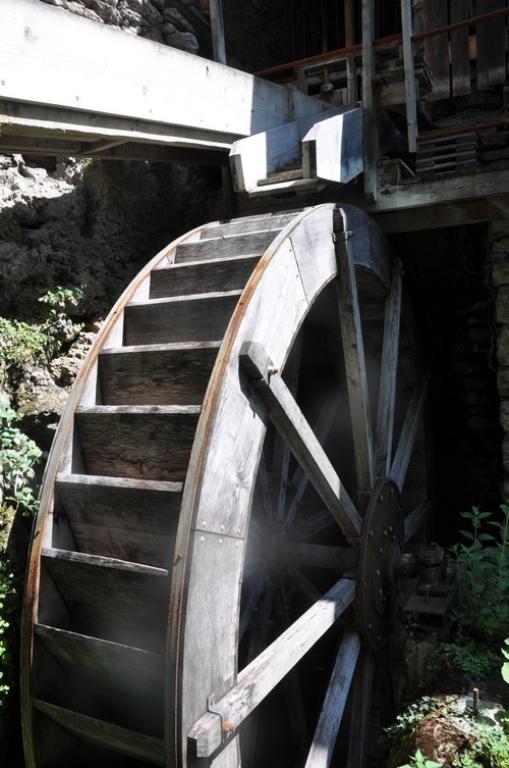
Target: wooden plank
{"type": "Point", "coordinates": [224, 247]}
{"type": "Point", "coordinates": [436, 49]}
{"type": "Point", "coordinates": [96, 588]}
{"type": "Point", "coordinates": [408, 434]}
{"type": "Point", "coordinates": [202, 317]}
{"type": "Point", "coordinates": [129, 520]}
{"type": "Point", "coordinates": [315, 524]}
{"type": "Point", "coordinates": [45, 59]}
{"type": "Point", "coordinates": [370, 131]}
{"type": "Point", "coordinates": [351, 69]}
{"type": "Point", "coordinates": [298, 435]}
{"type": "Point", "coordinates": [491, 44]}
{"type": "Point", "coordinates": [146, 442]}
{"type": "Point", "coordinates": [354, 357]}
{"type": "Point", "coordinates": [123, 667]}
{"type": "Point", "coordinates": [388, 376]}
{"type": "Point", "coordinates": [360, 727]}
{"type": "Point", "coordinates": [326, 732]}
{"type": "Point", "coordinates": [274, 221]}
{"type": "Point", "coordinates": [106, 735]}
{"type": "Point", "coordinates": [460, 58]}
{"type": "Point", "coordinates": [156, 374]}
{"type": "Point", "coordinates": [211, 276]}
{"type": "Point", "coordinates": [262, 675]}
{"type": "Point", "coordinates": [410, 82]}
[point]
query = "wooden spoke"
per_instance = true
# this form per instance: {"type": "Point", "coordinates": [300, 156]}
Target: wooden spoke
{"type": "Point", "coordinates": [304, 585]}
{"type": "Point", "coordinates": [361, 708]}
{"type": "Point", "coordinates": [339, 559]}
{"type": "Point", "coordinates": [282, 452]}
{"type": "Point", "coordinates": [388, 376]}
{"type": "Point", "coordinates": [291, 424]}
{"type": "Point", "coordinates": [326, 732]}
{"type": "Point", "coordinates": [355, 361]}
{"type": "Point", "coordinates": [322, 427]}
{"type": "Point", "coordinates": [314, 524]}
{"type": "Point", "coordinates": [387, 699]}
{"type": "Point", "coordinates": [408, 434]}
{"type": "Point", "coordinates": [262, 675]}
{"type": "Point", "coordinates": [263, 496]}
{"type": "Point", "coordinates": [417, 518]}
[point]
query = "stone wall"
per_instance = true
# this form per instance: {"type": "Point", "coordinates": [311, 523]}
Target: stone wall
{"type": "Point", "coordinates": [158, 20]}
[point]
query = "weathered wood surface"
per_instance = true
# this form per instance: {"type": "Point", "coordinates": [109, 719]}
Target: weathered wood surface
{"type": "Point", "coordinates": [408, 434]}
{"type": "Point", "coordinates": [45, 59]}
{"type": "Point", "coordinates": [126, 519]}
{"type": "Point", "coordinates": [261, 676]}
{"type": "Point", "coordinates": [388, 377]}
{"type": "Point", "coordinates": [156, 374]}
{"type": "Point", "coordinates": [228, 246]}
{"type": "Point", "coordinates": [460, 56]}
{"type": "Point", "coordinates": [274, 221]}
{"type": "Point", "coordinates": [121, 740]}
{"type": "Point", "coordinates": [147, 442]}
{"type": "Point", "coordinates": [370, 139]}
{"type": "Point", "coordinates": [326, 732]}
{"type": "Point", "coordinates": [97, 588]}
{"type": "Point", "coordinates": [211, 276]}
{"type": "Point", "coordinates": [417, 518]}
{"type": "Point", "coordinates": [298, 435]}
{"type": "Point", "coordinates": [106, 663]}
{"type": "Point", "coordinates": [410, 82]}
{"type": "Point", "coordinates": [201, 317]}
{"type": "Point", "coordinates": [360, 731]}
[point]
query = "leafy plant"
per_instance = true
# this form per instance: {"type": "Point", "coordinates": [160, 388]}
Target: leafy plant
{"type": "Point", "coordinates": [407, 720]}
{"type": "Point", "coordinates": [18, 457]}
{"type": "Point", "coordinates": [469, 657]}
{"type": "Point", "coordinates": [419, 761]}
{"type": "Point", "coordinates": [483, 576]}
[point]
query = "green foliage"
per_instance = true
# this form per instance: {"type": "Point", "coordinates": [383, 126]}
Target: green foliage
{"type": "Point", "coordinates": [18, 456]}
{"type": "Point", "coordinates": [469, 657]}
{"type": "Point", "coordinates": [60, 299]}
{"type": "Point", "coordinates": [19, 344]}
{"type": "Point", "coordinates": [505, 665]}
{"type": "Point", "coordinates": [407, 720]}
{"type": "Point", "coordinates": [483, 577]}
{"type": "Point", "coordinates": [491, 750]}
{"type": "Point", "coordinates": [419, 761]}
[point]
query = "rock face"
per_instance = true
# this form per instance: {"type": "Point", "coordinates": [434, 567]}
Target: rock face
{"type": "Point", "coordinates": [156, 20]}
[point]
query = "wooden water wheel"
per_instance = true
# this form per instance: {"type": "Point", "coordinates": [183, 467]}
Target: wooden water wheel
{"type": "Point", "coordinates": [231, 487]}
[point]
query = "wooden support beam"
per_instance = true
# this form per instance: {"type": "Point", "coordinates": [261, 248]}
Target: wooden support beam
{"type": "Point", "coordinates": [290, 422]}
{"type": "Point", "coordinates": [355, 360]}
{"type": "Point", "coordinates": [351, 68]}
{"type": "Point", "coordinates": [45, 60]}
{"type": "Point", "coordinates": [408, 434]}
{"type": "Point", "coordinates": [410, 83]}
{"type": "Point", "coordinates": [388, 377]}
{"type": "Point", "coordinates": [368, 102]}
{"type": "Point", "coordinates": [326, 732]}
{"type": "Point", "coordinates": [215, 728]}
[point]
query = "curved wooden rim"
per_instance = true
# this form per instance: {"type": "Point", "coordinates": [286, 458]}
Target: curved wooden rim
{"type": "Point", "coordinates": [317, 220]}
{"type": "Point", "coordinates": [31, 589]}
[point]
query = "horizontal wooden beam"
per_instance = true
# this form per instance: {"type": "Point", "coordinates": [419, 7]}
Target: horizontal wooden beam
{"type": "Point", "coordinates": [289, 421]}
{"type": "Point", "coordinates": [261, 676]}
{"type": "Point", "coordinates": [58, 60]}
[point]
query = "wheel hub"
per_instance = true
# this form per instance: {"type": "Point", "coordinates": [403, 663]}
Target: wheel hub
{"type": "Point", "coordinates": [379, 555]}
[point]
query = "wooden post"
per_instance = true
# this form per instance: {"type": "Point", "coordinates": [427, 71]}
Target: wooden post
{"type": "Point", "coordinates": [408, 62]}
{"type": "Point", "coordinates": [368, 102]}
{"type": "Point", "coordinates": [351, 76]}
{"type": "Point", "coordinates": [217, 30]}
